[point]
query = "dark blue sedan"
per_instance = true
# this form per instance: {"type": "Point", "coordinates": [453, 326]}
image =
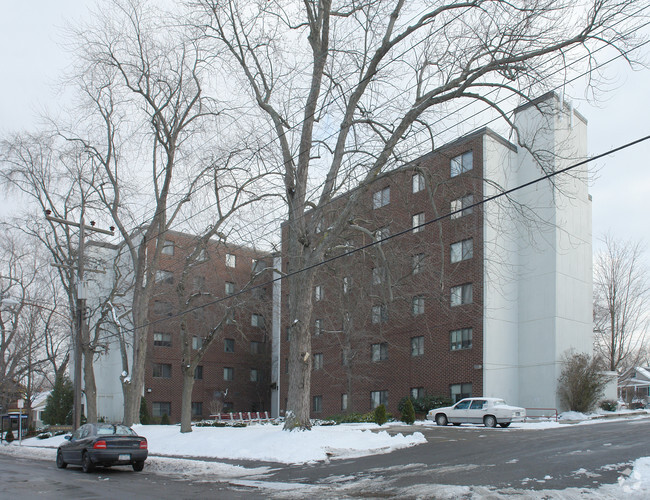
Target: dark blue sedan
{"type": "Point", "coordinates": [103, 444]}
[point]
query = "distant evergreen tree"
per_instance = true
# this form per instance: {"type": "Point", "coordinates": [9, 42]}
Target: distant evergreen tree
{"type": "Point", "coordinates": [144, 412]}
{"type": "Point", "coordinates": [164, 420]}
{"type": "Point", "coordinates": [58, 409]}
{"type": "Point", "coordinates": [408, 413]}
{"type": "Point", "coordinates": [380, 415]}
{"type": "Point", "coordinates": [9, 436]}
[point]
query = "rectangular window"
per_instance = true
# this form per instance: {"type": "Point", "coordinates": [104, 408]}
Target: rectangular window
{"type": "Point", "coordinates": [381, 197]}
{"type": "Point", "coordinates": [378, 398]}
{"type": "Point", "coordinates": [231, 260]}
{"type": "Point", "coordinates": [462, 250]}
{"type": "Point", "coordinates": [379, 352]}
{"type": "Point", "coordinates": [318, 327]}
{"type": "Point", "coordinates": [258, 265]}
{"type": "Point", "coordinates": [198, 372]}
{"type": "Point", "coordinates": [417, 346]}
{"type": "Point", "coordinates": [230, 288]}
{"type": "Point", "coordinates": [346, 284]}
{"type": "Point", "coordinates": [417, 305]}
{"type": "Point", "coordinates": [379, 314]}
{"type": "Point", "coordinates": [198, 283]}
{"type": "Point", "coordinates": [228, 345]}
{"type": "Point", "coordinates": [197, 409]}
{"type": "Point", "coordinates": [460, 391]}
{"type": "Point", "coordinates": [162, 370]}
{"type": "Point", "coordinates": [163, 276]}
{"type": "Point", "coordinates": [417, 182]}
{"type": "Point", "coordinates": [344, 402]}
{"type": "Point", "coordinates": [318, 361]}
{"type": "Point", "coordinates": [286, 365]}
{"type": "Point", "coordinates": [257, 320]}
{"type": "Point", "coordinates": [162, 308]}
{"type": "Point", "coordinates": [317, 402]}
{"type": "Point", "coordinates": [416, 222]}
{"type": "Point", "coordinates": [462, 206]}
{"type": "Point", "coordinates": [417, 263]}
{"type": "Point", "coordinates": [197, 342]}
{"type": "Point", "coordinates": [203, 255]}
{"type": "Point", "coordinates": [160, 408]}
{"type": "Point", "coordinates": [417, 392]}
{"type": "Point", "coordinates": [230, 317]}
{"type": "Point", "coordinates": [461, 339]}
{"type": "Point", "coordinates": [254, 375]}
{"type": "Point", "coordinates": [256, 347]}
{"type": "Point", "coordinates": [318, 293]}
{"type": "Point", "coordinates": [228, 373]}
{"type": "Point", "coordinates": [168, 248]}
{"type": "Point", "coordinates": [462, 163]}
{"type": "Point", "coordinates": [161, 339]}
{"type": "Point", "coordinates": [461, 294]}
{"type": "Point", "coordinates": [381, 234]}
{"type": "Point", "coordinates": [378, 275]}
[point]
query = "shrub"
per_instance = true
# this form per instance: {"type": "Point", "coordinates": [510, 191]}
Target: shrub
{"type": "Point", "coordinates": [9, 436]}
{"type": "Point", "coordinates": [380, 415]}
{"type": "Point", "coordinates": [582, 382]}
{"type": "Point", "coordinates": [44, 435]}
{"type": "Point", "coordinates": [608, 405]}
{"type": "Point", "coordinates": [164, 420]}
{"type": "Point", "coordinates": [408, 413]}
{"type": "Point", "coordinates": [425, 403]}
{"type": "Point", "coordinates": [145, 418]}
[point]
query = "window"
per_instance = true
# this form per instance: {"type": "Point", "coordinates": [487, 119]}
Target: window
{"type": "Point", "coordinates": [416, 222]}
{"type": "Point", "coordinates": [230, 288]}
{"type": "Point", "coordinates": [257, 347]}
{"type": "Point", "coordinates": [198, 372]}
{"type": "Point", "coordinates": [462, 163]}
{"type": "Point", "coordinates": [258, 265]}
{"type": "Point", "coordinates": [460, 391]}
{"type": "Point", "coordinates": [231, 260]}
{"type": "Point", "coordinates": [162, 370]}
{"type": "Point", "coordinates": [318, 361]}
{"type": "Point", "coordinates": [318, 327]}
{"type": "Point", "coordinates": [417, 263]}
{"type": "Point", "coordinates": [257, 320]}
{"type": "Point", "coordinates": [378, 275]}
{"type": "Point", "coordinates": [228, 373]}
{"type": "Point", "coordinates": [254, 375]}
{"type": "Point", "coordinates": [161, 307]}
{"type": "Point", "coordinates": [203, 255]}
{"type": "Point", "coordinates": [159, 408]}
{"type": "Point", "coordinates": [198, 282]}
{"type": "Point", "coordinates": [318, 292]}
{"type": "Point", "coordinates": [199, 314]}
{"type": "Point", "coordinates": [162, 339]}
{"type": "Point", "coordinates": [417, 306]}
{"type": "Point", "coordinates": [288, 331]}
{"type": "Point", "coordinates": [168, 248]}
{"type": "Point", "coordinates": [417, 182]}
{"type": "Point", "coordinates": [378, 398]}
{"type": "Point", "coordinates": [381, 234]}
{"type": "Point", "coordinates": [379, 314]}
{"type": "Point", "coordinates": [461, 339]}
{"type": "Point", "coordinates": [344, 402]}
{"type": "Point", "coordinates": [317, 402]}
{"type": "Point", "coordinates": [379, 352]}
{"type": "Point", "coordinates": [417, 346]}
{"type": "Point", "coordinates": [197, 342]}
{"type": "Point", "coordinates": [381, 197]}
{"type": "Point", "coordinates": [461, 294]}
{"type": "Point", "coordinates": [346, 284]}
{"type": "Point", "coordinates": [163, 276]}
{"type": "Point", "coordinates": [230, 317]}
{"type": "Point", "coordinates": [197, 409]}
{"type": "Point", "coordinates": [462, 206]}
{"type": "Point", "coordinates": [478, 404]}
{"type": "Point", "coordinates": [228, 345]}
{"type": "Point", "coordinates": [417, 392]}
{"type": "Point", "coordinates": [462, 250]}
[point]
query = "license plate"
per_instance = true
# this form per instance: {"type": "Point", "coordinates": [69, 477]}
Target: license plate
{"type": "Point", "coordinates": [124, 457]}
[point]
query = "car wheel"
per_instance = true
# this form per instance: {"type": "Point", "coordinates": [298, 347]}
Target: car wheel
{"type": "Point", "coordinates": [441, 419]}
{"type": "Point", "coordinates": [86, 464]}
{"type": "Point", "coordinates": [60, 463]}
{"type": "Point", "coordinates": [490, 421]}
{"type": "Point", "coordinates": [505, 424]}
{"type": "Point", "coordinates": [138, 466]}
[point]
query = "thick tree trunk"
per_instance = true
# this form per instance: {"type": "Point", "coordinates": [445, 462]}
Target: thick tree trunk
{"type": "Point", "coordinates": [135, 388]}
{"type": "Point", "coordinates": [186, 398]}
{"type": "Point", "coordinates": [90, 387]}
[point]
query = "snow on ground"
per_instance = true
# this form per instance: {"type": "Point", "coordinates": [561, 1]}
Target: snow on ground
{"type": "Point", "coordinates": [204, 446]}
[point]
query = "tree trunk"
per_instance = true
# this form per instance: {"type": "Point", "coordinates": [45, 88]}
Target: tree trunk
{"type": "Point", "coordinates": [186, 398]}
{"type": "Point", "coordinates": [90, 387]}
{"type": "Point", "coordinates": [135, 388]}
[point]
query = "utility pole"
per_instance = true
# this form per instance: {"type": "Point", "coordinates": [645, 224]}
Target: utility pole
{"type": "Point", "coordinates": [82, 295]}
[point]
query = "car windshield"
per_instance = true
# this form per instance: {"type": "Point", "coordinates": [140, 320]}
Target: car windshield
{"type": "Point", "coordinates": [119, 430]}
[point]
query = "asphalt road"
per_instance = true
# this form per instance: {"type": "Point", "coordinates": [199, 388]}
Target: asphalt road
{"type": "Point", "coordinates": [584, 456]}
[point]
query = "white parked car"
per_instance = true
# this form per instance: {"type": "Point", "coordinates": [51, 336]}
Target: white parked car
{"type": "Point", "coordinates": [488, 411]}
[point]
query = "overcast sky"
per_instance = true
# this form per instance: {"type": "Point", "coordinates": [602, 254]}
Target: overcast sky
{"type": "Point", "coordinates": [33, 63]}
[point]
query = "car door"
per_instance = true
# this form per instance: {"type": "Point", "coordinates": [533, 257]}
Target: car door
{"type": "Point", "coordinates": [477, 410]}
{"type": "Point", "coordinates": [71, 450]}
{"type": "Point", "coordinates": [458, 414]}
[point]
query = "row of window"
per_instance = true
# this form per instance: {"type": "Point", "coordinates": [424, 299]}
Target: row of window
{"type": "Point", "coordinates": [160, 408]}
{"type": "Point", "coordinates": [456, 391]}
{"type": "Point", "coordinates": [163, 339]}
{"type": "Point", "coordinates": [164, 370]}
{"type": "Point", "coordinates": [458, 165]}
{"type": "Point", "coordinates": [257, 265]}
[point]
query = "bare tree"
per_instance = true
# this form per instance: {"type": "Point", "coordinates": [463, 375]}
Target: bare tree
{"type": "Point", "coordinates": [351, 89]}
{"type": "Point", "coordinates": [621, 295]}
